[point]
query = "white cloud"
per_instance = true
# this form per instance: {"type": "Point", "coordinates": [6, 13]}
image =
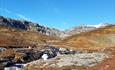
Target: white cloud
{"type": "Point", "coordinates": [22, 16]}
{"type": "Point", "coordinates": [15, 14]}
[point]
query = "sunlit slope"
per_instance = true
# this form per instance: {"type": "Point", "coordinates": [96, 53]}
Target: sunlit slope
{"type": "Point", "coordinates": [101, 37]}
{"type": "Point", "coordinates": [10, 36]}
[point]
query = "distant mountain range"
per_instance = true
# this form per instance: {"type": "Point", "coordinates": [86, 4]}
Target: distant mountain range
{"type": "Point", "coordinates": [23, 33]}
{"type": "Point", "coordinates": [35, 27]}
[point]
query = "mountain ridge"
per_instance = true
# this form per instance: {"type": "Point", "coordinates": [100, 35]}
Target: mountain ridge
{"type": "Point", "coordinates": [36, 27]}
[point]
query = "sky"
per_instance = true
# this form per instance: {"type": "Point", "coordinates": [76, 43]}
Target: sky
{"type": "Point", "coordinates": [60, 14]}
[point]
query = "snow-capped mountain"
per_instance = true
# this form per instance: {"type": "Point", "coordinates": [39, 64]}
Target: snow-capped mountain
{"type": "Point", "coordinates": [99, 25]}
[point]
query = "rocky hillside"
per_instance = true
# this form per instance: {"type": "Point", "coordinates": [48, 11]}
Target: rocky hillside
{"type": "Point", "coordinates": [14, 37]}
{"type": "Point", "coordinates": [35, 27]}
{"type": "Point", "coordinates": [101, 37]}
{"type": "Point", "coordinates": [29, 26]}
{"type": "Point", "coordinates": [79, 29]}
{"type": "Point", "coordinates": [84, 28]}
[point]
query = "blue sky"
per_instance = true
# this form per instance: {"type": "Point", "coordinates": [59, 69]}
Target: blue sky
{"type": "Point", "coordinates": [60, 14]}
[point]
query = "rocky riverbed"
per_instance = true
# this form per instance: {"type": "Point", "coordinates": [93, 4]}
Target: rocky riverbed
{"type": "Point", "coordinates": [55, 58]}
{"type": "Point", "coordinates": [11, 56]}
{"type": "Point", "coordinates": [64, 60]}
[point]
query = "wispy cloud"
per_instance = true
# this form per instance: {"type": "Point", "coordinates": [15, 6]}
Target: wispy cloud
{"type": "Point", "coordinates": [22, 16]}
{"type": "Point", "coordinates": [5, 10]}
{"type": "Point", "coordinates": [14, 13]}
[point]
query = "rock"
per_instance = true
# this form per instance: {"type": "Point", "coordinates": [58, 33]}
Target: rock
{"type": "Point", "coordinates": [76, 60]}
{"type": "Point", "coordinates": [29, 26]}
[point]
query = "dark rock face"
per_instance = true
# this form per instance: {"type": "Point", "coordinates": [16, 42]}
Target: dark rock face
{"type": "Point", "coordinates": [12, 23]}
{"type": "Point", "coordinates": [29, 26]}
{"type": "Point", "coordinates": [50, 51]}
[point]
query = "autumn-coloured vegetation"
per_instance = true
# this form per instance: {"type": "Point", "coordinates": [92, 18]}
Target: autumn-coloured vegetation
{"type": "Point", "coordinates": [14, 37]}
{"type": "Point", "coordinates": [99, 38]}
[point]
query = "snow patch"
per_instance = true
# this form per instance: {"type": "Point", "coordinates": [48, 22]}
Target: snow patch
{"type": "Point", "coordinates": [98, 25]}
{"type": "Point", "coordinates": [44, 56]}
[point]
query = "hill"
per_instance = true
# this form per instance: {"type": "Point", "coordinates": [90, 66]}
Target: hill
{"type": "Point", "coordinates": [101, 37]}
{"type": "Point", "coordinates": [16, 37]}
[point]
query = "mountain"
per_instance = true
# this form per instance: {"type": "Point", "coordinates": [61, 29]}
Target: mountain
{"type": "Point", "coordinates": [36, 27]}
{"type": "Point", "coordinates": [83, 28]}
{"type": "Point", "coordinates": [29, 26]}
{"type": "Point", "coordinates": [101, 37]}
{"type": "Point", "coordinates": [79, 29]}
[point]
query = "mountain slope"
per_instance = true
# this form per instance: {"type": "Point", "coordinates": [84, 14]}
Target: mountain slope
{"type": "Point", "coordinates": [79, 29]}
{"type": "Point", "coordinates": [101, 37]}
{"type": "Point", "coordinates": [15, 37]}
{"type": "Point", "coordinates": [29, 26]}
{"type": "Point", "coordinates": [35, 27]}
{"type": "Point", "coordinates": [84, 28]}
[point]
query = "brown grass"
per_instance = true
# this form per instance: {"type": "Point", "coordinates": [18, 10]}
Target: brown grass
{"type": "Point", "coordinates": [101, 37]}
{"type": "Point", "coordinates": [19, 37]}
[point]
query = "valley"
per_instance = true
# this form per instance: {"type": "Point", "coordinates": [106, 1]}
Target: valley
{"type": "Point", "coordinates": [37, 47]}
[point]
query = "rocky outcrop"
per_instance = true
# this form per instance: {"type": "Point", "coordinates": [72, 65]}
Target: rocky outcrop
{"type": "Point", "coordinates": [76, 60]}
{"type": "Point", "coordinates": [29, 26]}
